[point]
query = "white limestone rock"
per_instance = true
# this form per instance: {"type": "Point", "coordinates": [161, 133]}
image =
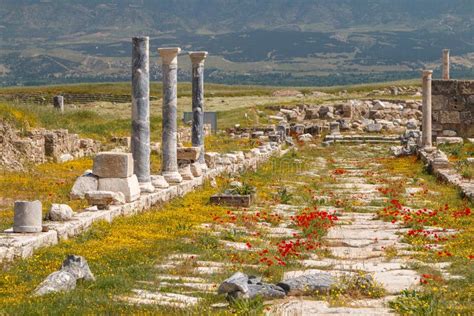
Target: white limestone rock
{"type": "Point", "coordinates": [102, 199]}
{"type": "Point", "coordinates": [60, 213]}
{"type": "Point", "coordinates": [129, 187]}
{"type": "Point", "coordinates": [86, 182]}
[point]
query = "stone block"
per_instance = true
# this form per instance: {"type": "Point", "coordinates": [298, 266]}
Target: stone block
{"type": "Point", "coordinates": [188, 153]}
{"type": "Point", "coordinates": [129, 187]}
{"type": "Point", "coordinates": [466, 117]}
{"type": "Point", "coordinates": [447, 117]}
{"type": "Point", "coordinates": [85, 183]}
{"type": "Point", "coordinates": [466, 87]}
{"type": "Point", "coordinates": [196, 169]}
{"type": "Point", "coordinates": [456, 103]}
{"type": "Point", "coordinates": [113, 165]}
{"type": "Point", "coordinates": [439, 102]}
{"type": "Point", "coordinates": [105, 198]}
{"type": "Point", "coordinates": [449, 140]}
{"type": "Point", "coordinates": [28, 217]}
{"type": "Point", "coordinates": [185, 172]}
{"type": "Point", "coordinates": [444, 87]}
{"type": "Point", "coordinates": [211, 159]}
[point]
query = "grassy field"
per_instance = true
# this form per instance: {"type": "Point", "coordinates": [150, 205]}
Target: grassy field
{"type": "Point", "coordinates": [124, 254]}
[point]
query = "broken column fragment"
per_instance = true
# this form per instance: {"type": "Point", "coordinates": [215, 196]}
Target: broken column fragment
{"type": "Point", "coordinates": [28, 217]}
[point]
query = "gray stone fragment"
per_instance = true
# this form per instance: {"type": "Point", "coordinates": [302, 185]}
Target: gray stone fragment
{"type": "Point", "coordinates": [60, 212]}
{"type": "Point", "coordinates": [240, 285]}
{"type": "Point", "coordinates": [263, 290]}
{"type": "Point", "coordinates": [73, 268]}
{"type": "Point", "coordinates": [374, 128]}
{"type": "Point", "coordinates": [237, 282]}
{"type": "Point", "coordinates": [307, 284]}
{"type": "Point", "coordinates": [28, 217]}
{"type": "Point", "coordinates": [78, 267]}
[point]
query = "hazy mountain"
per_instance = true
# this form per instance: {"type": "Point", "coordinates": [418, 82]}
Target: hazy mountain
{"type": "Point", "coordinates": [47, 40]}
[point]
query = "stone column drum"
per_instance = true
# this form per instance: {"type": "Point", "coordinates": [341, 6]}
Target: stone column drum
{"type": "Point", "coordinates": [58, 103]}
{"type": "Point", "coordinates": [446, 64]}
{"type": "Point", "coordinates": [426, 138]}
{"type": "Point", "coordinates": [28, 217]}
{"type": "Point", "coordinates": [169, 162]}
{"type": "Point", "coordinates": [197, 59]}
{"type": "Point", "coordinates": [140, 140]}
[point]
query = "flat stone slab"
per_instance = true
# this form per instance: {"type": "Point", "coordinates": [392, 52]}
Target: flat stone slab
{"type": "Point", "coordinates": [355, 253]}
{"type": "Point", "coordinates": [344, 232]}
{"type": "Point", "coordinates": [395, 281]}
{"type": "Point", "coordinates": [143, 297]}
{"type": "Point", "coordinates": [303, 307]}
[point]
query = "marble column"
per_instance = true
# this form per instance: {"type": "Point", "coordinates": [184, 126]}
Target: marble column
{"type": "Point", "coordinates": [426, 133]}
{"type": "Point", "coordinates": [140, 143]}
{"type": "Point", "coordinates": [197, 59]}
{"type": "Point", "coordinates": [169, 68]}
{"type": "Point", "coordinates": [446, 64]}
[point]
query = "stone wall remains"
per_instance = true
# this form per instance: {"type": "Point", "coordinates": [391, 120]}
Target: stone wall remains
{"type": "Point", "coordinates": [453, 107]}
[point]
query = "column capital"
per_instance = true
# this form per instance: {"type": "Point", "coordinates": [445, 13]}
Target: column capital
{"type": "Point", "coordinates": [198, 57]}
{"type": "Point", "coordinates": [427, 73]}
{"type": "Point", "coordinates": [140, 38]}
{"type": "Point", "coordinates": [169, 55]}
{"type": "Point", "coordinates": [446, 50]}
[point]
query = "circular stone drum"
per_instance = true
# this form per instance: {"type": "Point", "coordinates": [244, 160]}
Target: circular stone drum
{"type": "Point", "coordinates": [28, 217]}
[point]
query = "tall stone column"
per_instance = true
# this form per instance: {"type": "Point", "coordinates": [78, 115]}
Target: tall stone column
{"type": "Point", "coordinates": [140, 144]}
{"type": "Point", "coordinates": [446, 64]}
{"type": "Point", "coordinates": [427, 131]}
{"type": "Point", "coordinates": [197, 59]}
{"type": "Point", "coordinates": [169, 162]}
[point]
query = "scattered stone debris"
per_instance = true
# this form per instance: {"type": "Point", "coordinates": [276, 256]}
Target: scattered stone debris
{"type": "Point", "coordinates": [241, 285]}
{"type": "Point", "coordinates": [73, 268]}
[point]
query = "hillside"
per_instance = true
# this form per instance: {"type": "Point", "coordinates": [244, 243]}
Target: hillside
{"type": "Point", "coordinates": [277, 42]}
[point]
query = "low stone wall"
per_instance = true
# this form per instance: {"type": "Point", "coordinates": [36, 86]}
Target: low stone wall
{"type": "Point", "coordinates": [17, 245]}
{"type": "Point", "coordinates": [438, 164]}
{"type": "Point", "coordinates": [18, 150]}
{"type": "Point", "coordinates": [69, 98]}
{"type": "Point", "coordinates": [453, 107]}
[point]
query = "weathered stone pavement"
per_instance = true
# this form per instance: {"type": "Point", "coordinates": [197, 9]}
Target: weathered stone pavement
{"type": "Point", "coordinates": [359, 244]}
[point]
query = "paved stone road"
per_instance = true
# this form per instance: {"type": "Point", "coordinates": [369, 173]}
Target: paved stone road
{"type": "Point", "coordinates": [358, 243]}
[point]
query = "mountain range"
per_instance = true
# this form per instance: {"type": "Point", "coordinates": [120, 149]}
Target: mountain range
{"type": "Point", "coordinates": [288, 42]}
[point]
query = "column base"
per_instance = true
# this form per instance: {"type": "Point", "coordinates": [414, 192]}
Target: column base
{"type": "Point", "coordinates": [172, 177]}
{"type": "Point", "coordinates": [147, 187]}
{"type": "Point", "coordinates": [429, 148]}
